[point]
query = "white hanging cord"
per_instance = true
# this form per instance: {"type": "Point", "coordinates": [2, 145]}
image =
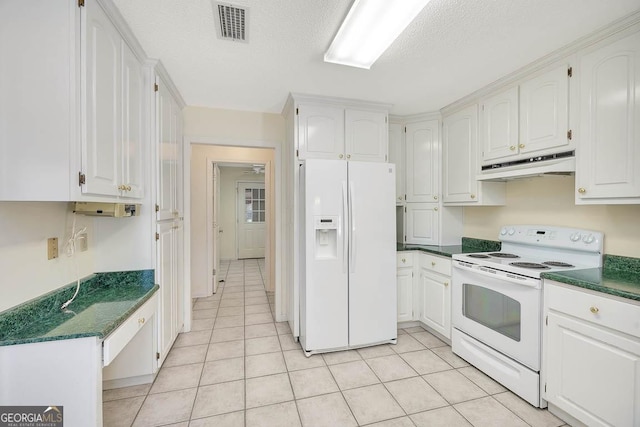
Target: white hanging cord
{"type": "Point", "coordinates": [70, 250]}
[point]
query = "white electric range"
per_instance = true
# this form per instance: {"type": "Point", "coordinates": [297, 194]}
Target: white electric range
{"type": "Point", "coordinates": [497, 300]}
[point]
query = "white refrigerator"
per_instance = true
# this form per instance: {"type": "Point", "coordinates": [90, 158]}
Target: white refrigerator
{"type": "Point", "coordinates": [347, 255]}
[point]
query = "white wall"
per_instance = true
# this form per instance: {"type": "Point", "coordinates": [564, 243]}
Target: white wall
{"type": "Point", "coordinates": [229, 177]}
{"type": "Point", "coordinates": [549, 200]}
{"type": "Point", "coordinates": [24, 229]}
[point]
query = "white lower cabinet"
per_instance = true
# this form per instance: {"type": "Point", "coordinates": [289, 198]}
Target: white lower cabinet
{"type": "Point", "coordinates": [404, 281]}
{"type": "Point", "coordinates": [434, 293]}
{"type": "Point", "coordinates": [591, 357]}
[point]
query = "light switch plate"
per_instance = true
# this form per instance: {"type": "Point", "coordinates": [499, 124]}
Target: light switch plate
{"type": "Point", "coordinates": [52, 248]}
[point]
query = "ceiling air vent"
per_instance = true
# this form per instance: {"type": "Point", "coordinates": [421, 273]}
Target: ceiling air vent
{"type": "Point", "coordinates": [231, 22]}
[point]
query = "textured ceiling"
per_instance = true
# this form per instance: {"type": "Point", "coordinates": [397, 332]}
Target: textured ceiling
{"type": "Point", "coordinates": [453, 48]}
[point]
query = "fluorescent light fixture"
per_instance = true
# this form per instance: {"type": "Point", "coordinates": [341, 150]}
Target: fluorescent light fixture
{"type": "Point", "coordinates": [369, 29]}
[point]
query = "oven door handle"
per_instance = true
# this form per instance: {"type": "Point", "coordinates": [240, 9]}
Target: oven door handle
{"type": "Point", "coordinates": [498, 275]}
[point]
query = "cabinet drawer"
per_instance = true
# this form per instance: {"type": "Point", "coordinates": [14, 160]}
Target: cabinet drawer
{"type": "Point", "coordinates": [404, 259]}
{"type": "Point", "coordinates": [603, 311]}
{"type": "Point", "coordinates": [118, 339]}
{"type": "Point", "coordinates": [436, 263]}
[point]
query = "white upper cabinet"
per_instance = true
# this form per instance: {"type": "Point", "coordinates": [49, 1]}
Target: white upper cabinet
{"type": "Point", "coordinates": [133, 130]}
{"type": "Point", "coordinates": [544, 112]}
{"type": "Point", "coordinates": [320, 132]}
{"type": "Point", "coordinates": [608, 163]}
{"type": "Point", "coordinates": [101, 148]}
{"type": "Point", "coordinates": [422, 161]}
{"type": "Point", "coordinates": [499, 125]}
{"type": "Point", "coordinates": [422, 223]}
{"type": "Point", "coordinates": [396, 156]}
{"type": "Point", "coordinates": [459, 156]}
{"type": "Point", "coordinates": [334, 131]}
{"type": "Point", "coordinates": [169, 136]}
{"type": "Point", "coordinates": [366, 135]}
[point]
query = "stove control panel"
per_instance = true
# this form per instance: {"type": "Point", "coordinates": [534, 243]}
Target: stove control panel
{"type": "Point", "coordinates": [560, 237]}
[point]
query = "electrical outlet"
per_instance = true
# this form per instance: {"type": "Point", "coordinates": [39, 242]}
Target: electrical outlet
{"type": "Point", "coordinates": [83, 244]}
{"type": "Point", "coordinates": [52, 248]}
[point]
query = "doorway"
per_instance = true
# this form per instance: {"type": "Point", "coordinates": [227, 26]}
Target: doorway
{"type": "Point", "coordinates": [250, 220]}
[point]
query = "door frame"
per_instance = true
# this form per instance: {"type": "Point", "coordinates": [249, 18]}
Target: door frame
{"type": "Point", "coordinates": [212, 250]}
{"type": "Point", "coordinates": [237, 210]}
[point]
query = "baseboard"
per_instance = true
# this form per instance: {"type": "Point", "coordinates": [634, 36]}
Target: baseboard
{"type": "Point", "coordinates": [128, 382]}
{"type": "Point", "coordinates": [564, 416]}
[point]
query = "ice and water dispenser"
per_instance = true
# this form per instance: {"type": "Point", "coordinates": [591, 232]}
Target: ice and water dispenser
{"type": "Point", "coordinates": [326, 237]}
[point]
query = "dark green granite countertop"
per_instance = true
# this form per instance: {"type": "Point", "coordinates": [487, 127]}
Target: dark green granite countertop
{"type": "Point", "coordinates": [619, 276]}
{"type": "Point", "coordinates": [468, 245]}
{"type": "Point", "coordinates": [104, 302]}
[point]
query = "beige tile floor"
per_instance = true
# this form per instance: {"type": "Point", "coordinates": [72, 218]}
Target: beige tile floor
{"type": "Point", "coordinates": [239, 368]}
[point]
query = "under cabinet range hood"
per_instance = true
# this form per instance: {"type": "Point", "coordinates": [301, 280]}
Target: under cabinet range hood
{"type": "Point", "coordinates": [114, 210]}
{"type": "Point", "coordinates": [552, 164]}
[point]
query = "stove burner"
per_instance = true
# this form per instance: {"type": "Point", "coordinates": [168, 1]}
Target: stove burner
{"type": "Point", "coordinates": [478, 256]}
{"type": "Point", "coordinates": [503, 255]}
{"type": "Point", "coordinates": [533, 265]}
{"type": "Point", "coordinates": [557, 264]}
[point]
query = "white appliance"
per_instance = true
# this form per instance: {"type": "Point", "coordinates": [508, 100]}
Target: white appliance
{"type": "Point", "coordinates": [497, 300]}
{"type": "Point", "coordinates": [348, 245]}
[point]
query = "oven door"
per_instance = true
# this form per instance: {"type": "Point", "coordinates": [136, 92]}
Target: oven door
{"type": "Point", "coordinates": [499, 309]}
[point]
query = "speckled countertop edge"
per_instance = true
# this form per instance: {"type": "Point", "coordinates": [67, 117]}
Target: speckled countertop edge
{"type": "Point", "coordinates": [135, 286]}
{"type": "Point", "coordinates": [468, 245]}
{"type": "Point", "coordinates": [619, 276]}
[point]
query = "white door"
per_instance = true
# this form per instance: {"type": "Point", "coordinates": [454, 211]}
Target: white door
{"type": "Point", "coordinates": [251, 220]}
{"type": "Point", "coordinates": [460, 163]}
{"type": "Point", "coordinates": [366, 136]}
{"type": "Point", "coordinates": [422, 161]}
{"type": "Point", "coordinates": [166, 275]}
{"type": "Point", "coordinates": [435, 302]}
{"type": "Point", "coordinates": [396, 156]}
{"type": "Point", "coordinates": [500, 125]}
{"type": "Point", "coordinates": [215, 238]}
{"type": "Point", "coordinates": [167, 153]}
{"type": "Point", "coordinates": [320, 132]}
{"type": "Point", "coordinates": [133, 153]}
{"type": "Point", "coordinates": [372, 253]}
{"type": "Point", "coordinates": [422, 223]}
{"type": "Point", "coordinates": [102, 101]}
{"type": "Point", "coordinates": [404, 282]}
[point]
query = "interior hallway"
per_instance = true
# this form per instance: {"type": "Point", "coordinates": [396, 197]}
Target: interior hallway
{"type": "Point", "coordinates": [239, 368]}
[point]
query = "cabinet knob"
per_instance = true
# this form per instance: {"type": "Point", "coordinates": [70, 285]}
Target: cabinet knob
{"type": "Point", "coordinates": [446, 283]}
{"type": "Point", "coordinates": [141, 320]}
{"type": "Point", "coordinates": [128, 188]}
{"type": "Point", "coordinates": [404, 260]}
{"type": "Point", "coordinates": [473, 196]}
{"type": "Point", "coordinates": [435, 197]}
{"type": "Point", "coordinates": [348, 156]}
{"type": "Point", "coordinates": [582, 190]}
{"type": "Point", "coordinates": [433, 263]}
{"type": "Point", "coordinates": [594, 310]}
{"type": "Point", "coordinates": [512, 147]}
{"type": "Point", "coordinates": [340, 156]}
{"type": "Point", "coordinates": [121, 187]}
{"type": "Point", "coordinates": [435, 209]}
{"type": "Point", "coordinates": [521, 145]}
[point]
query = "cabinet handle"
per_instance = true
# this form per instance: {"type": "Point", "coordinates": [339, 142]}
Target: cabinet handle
{"type": "Point", "coordinates": [348, 156]}
{"type": "Point", "coordinates": [128, 188]}
{"type": "Point", "coordinates": [594, 310]}
{"type": "Point", "coordinates": [404, 260]}
{"type": "Point", "coordinates": [141, 321]}
{"type": "Point", "coordinates": [340, 156]}
{"type": "Point", "coordinates": [512, 147]}
{"type": "Point", "coordinates": [446, 283]}
{"type": "Point", "coordinates": [473, 196]}
{"type": "Point", "coordinates": [433, 263]}
{"type": "Point", "coordinates": [121, 187]}
{"type": "Point", "coordinates": [582, 190]}
{"type": "Point", "coordinates": [435, 197]}
{"type": "Point", "coordinates": [435, 209]}
{"type": "Point", "coordinates": [521, 145]}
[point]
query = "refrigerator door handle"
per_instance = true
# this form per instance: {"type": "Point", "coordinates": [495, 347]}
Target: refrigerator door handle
{"type": "Point", "coordinates": [352, 231]}
{"type": "Point", "coordinates": [343, 226]}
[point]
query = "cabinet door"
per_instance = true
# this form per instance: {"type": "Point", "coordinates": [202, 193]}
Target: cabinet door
{"type": "Point", "coordinates": [500, 125]}
{"type": "Point", "coordinates": [166, 153]}
{"type": "Point", "coordinates": [422, 161]}
{"type": "Point", "coordinates": [609, 157]}
{"type": "Point", "coordinates": [133, 135]}
{"type": "Point", "coordinates": [396, 156]}
{"type": "Point", "coordinates": [544, 111]}
{"type": "Point", "coordinates": [460, 162]}
{"type": "Point", "coordinates": [404, 281]}
{"type": "Point", "coordinates": [422, 220]}
{"type": "Point", "coordinates": [320, 132]}
{"type": "Point", "coordinates": [435, 302]}
{"type": "Point", "coordinates": [166, 275]}
{"type": "Point", "coordinates": [605, 396]}
{"type": "Point", "coordinates": [366, 136]}
{"type": "Point", "coordinates": [102, 103]}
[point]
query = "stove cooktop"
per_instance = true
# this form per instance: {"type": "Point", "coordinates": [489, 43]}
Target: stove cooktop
{"type": "Point", "coordinates": [524, 265]}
